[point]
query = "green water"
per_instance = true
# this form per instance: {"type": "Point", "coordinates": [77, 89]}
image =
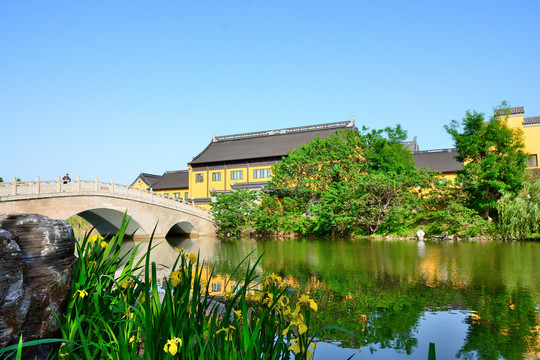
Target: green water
{"type": "Point", "coordinates": [468, 300]}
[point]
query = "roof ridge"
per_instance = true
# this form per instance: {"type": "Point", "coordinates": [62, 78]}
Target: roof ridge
{"type": "Point", "coordinates": [284, 131]}
{"type": "Point", "coordinates": [533, 120]}
{"type": "Point", "coordinates": [435, 151]}
{"type": "Point", "coordinates": [518, 110]}
{"type": "Point", "coordinates": [176, 171]}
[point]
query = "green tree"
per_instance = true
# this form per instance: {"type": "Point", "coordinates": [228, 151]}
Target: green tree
{"type": "Point", "coordinates": [367, 204]}
{"type": "Point", "coordinates": [494, 158]}
{"type": "Point", "coordinates": [355, 181]}
{"type": "Point", "coordinates": [519, 216]}
{"type": "Point", "coordinates": [315, 165]}
{"type": "Point", "coordinates": [1, 180]}
{"type": "Point", "coordinates": [235, 211]}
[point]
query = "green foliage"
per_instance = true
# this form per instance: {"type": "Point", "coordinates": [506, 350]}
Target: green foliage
{"type": "Point", "coordinates": [353, 182]}
{"type": "Point", "coordinates": [235, 211]}
{"type": "Point", "coordinates": [367, 204]}
{"type": "Point", "coordinates": [519, 215]}
{"type": "Point", "coordinates": [315, 165]}
{"type": "Point", "coordinates": [494, 159]}
{"type": "Point", "coordinates": [1, 180]}
{"type": "Point", "coordinates": [443, 210]}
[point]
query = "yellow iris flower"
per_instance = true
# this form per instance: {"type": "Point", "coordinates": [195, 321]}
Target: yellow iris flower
{"type": "Point", "coordinates": [81, 293]}
{"type": "Point", "coordinates": [172, 346]}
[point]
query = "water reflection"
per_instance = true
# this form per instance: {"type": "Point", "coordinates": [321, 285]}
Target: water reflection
{"type": "Point", "coordinates": [471, 300]}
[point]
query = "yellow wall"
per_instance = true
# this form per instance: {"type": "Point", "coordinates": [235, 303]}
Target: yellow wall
{"type": "Point", "coordinates": [201, 190]}
{"type": "Point", "coordinates": [139, 184]}
{"type": "Point", "coordinates": [531, 135]}
{"type": "Point", "coordinates": [171, 192]}
{"type": "Point", "coordinates": [532, 141]}
{"type": "Point", "coordinates": [450, 177]}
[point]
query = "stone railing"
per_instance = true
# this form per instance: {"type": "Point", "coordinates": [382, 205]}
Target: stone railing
{"type": "Point", "coordinates": [39, 188]}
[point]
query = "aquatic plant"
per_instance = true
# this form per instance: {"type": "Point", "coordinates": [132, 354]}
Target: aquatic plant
{"type": "Point", "coordinates": [119, 310]}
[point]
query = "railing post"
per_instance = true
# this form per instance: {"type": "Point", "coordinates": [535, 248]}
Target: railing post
{"type": "Point", "coordinates": [112, 186]}
{"type": "Point", "coordinates": [37, 185]}
{"type": "Point", "coordinates": [127, 189]}
{"type": "Point", "coordinates": [58, 184]}
{"type": "Point", "coordinates": [14, 186]}
{"type": "Point", "coordinates": [78, 183]}
{"type": "Point", "coordinates": [96, 186]}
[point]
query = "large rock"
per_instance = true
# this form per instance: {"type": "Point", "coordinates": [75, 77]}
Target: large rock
{"type": "Point", "coordinates": [36, 254]}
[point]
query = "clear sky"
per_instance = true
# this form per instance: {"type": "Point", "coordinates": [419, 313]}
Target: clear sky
{"type": "Point", "coordinates": [115, 88]}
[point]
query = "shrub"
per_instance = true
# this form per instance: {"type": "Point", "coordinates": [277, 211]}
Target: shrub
{"type": "Point", "coordinates": [519, 216]}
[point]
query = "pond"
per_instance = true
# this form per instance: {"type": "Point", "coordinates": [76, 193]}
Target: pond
{"type": "Point", "coordinates": [402, 299]}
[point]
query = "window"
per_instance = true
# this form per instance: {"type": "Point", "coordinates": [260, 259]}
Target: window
{"type": "Point", "coordinates": [261, 173]}
{"type": "Point", "coordinates": [237, 175]}
{"type": "Point", "coordinates": [177, 195]}
{"type": "Point", "coordinates": [533, 161]}
{"type": "Point", "coordinates": [186, 195]}
{"type": "Point", "coordinates": [199, 178]}
{"type": "Point", "coordinates": [216, 176]}
{"type": "Point", "coordinates": [216, 287]}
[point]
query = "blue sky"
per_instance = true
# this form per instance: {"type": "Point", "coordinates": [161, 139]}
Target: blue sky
{"type": "Point", "coordinates": [115, 88]}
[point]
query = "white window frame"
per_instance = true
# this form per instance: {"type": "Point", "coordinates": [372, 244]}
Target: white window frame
{"type": "Point", "coordinates": [261, 173]}
{"type": "Point", "coordinates": [237, 175]}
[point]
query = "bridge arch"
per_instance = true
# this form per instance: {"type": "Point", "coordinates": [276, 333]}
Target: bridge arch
{"type": "Point", "coordinates": [104, 205]}
{"type": "Point", "coordinates": [108, 221]}
{"type": "Point", "coordinates": [182, 228]}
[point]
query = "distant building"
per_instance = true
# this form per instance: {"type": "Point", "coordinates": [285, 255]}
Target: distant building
{"type": "Point", "coordinates": [244, 160]}
{"type": "Point", "coordinates": [145, 181]}
{"type": "Point", "coordinates": [173, 184]}
{"type": "Point", "coordinates": [531, 131]}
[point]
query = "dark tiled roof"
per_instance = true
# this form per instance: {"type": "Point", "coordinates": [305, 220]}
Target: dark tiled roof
{"type": "Point", "coordinates": [264, 144]}
{"type": "Point", "coordinates": [173, 180]}
{"type": "Point", "coordinates": [531, 120]}
{"type": "Point", "coordinates": [148, 179]}
{"type": "Point", "coordinates": [439, 160]}
{"type": "Point", "coordinates": [513, 111]}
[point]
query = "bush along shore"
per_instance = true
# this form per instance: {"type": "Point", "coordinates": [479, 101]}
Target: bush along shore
{"type": "Point", "coordinates": [117, 310]}
{"type": "Point", "coordinates": [362, 182]}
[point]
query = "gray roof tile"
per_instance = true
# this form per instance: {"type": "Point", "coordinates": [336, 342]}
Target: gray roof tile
{"type": "Point", "coordinates": [513, 111]}
{"type": "Point", "coordinates": [264, 144]}
{"type": "Point", "coordinates": [148, 179]}
{"type": "Point", "coordinates": [442, 160]}
{"type": "Point", "coordinates": [173, 180]}
{"type": "Point", "coordinates": [535, 120]}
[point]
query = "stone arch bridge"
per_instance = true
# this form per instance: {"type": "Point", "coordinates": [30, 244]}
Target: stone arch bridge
{"type": "Point", "coordinates": [103, 204]}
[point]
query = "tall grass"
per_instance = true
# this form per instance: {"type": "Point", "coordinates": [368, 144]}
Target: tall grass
{"type": "Point", "coordinates": [117, 310]}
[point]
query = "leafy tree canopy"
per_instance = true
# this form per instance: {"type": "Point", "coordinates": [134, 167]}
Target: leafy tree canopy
{"type": "Point", "coordinates": [315, 165]}
{"type": "Point", "coordinates": [519, 216]}
{"type": "Point", "coordinates": [355, 181]}
{"type": "Point", "coordinates": [494, 158]}
{"type": "Point", "coordinates": [235, 211]}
